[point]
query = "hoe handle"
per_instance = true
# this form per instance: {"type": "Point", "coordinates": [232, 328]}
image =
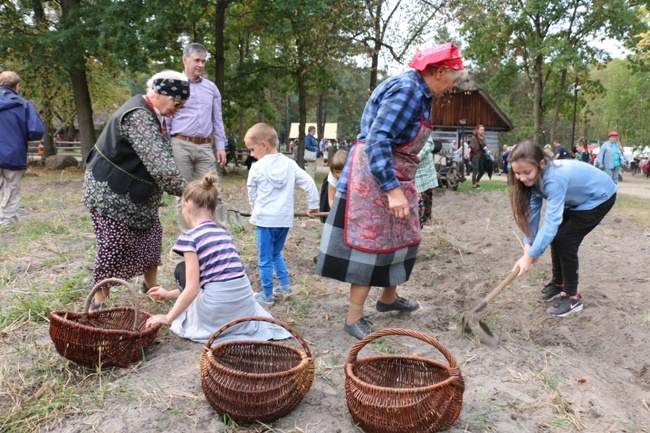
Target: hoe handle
{"type": "Point", "coordinates": [496, 291]}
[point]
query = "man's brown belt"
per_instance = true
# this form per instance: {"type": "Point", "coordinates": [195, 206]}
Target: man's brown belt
{"type": "Point", "coordinates": [195, 140]}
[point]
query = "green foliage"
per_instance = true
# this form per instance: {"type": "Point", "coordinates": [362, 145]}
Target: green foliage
{"type": "Point", "coordinates": [526, 54]}
{"type": "Point", "coordinates": [544, 40]}
{"type": "Point", "coordinates": [625, 104]}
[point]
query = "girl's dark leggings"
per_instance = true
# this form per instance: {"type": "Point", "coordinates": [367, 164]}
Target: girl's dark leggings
{"type": "Point", "coordinates": [564, 248]}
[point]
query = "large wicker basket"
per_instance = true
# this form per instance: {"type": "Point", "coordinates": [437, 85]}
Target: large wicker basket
{"type": "Point", "coordinates": [110, 337]}
{"type": "Point", "coordinates": [255, 380]}
{"type": "Point", "coordinates": [402, 393]}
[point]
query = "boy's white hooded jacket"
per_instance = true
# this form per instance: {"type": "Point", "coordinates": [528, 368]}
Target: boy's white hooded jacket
{"type": "Point", "coordinates": [271, 183]}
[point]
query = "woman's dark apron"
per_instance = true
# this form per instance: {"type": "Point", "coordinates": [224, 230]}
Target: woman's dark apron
{"type": "Point", "coordinates": [369, 225]}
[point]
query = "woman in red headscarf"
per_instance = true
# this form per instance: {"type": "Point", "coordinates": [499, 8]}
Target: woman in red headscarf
{"type": "Point", "coordinates": [372, 233]}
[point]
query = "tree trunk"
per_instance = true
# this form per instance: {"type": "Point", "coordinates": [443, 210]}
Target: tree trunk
{"type": "Point", "coordinates": [320, 117]}
{"type": "Point", "coordinates": [219, 45]}
{"type": "Point", "coordinates": [82, 101]}
{"type": "Point", "coordinates": [287, 122]}
{"type": "Point", "coordinates": [260, 112]}
{"type": "Point", "coordinates": [242, 126]}
{"type": "Point", "coordinates": [558, 104]}
{"type": "Point", "coordinates": [538, 89]}
{"type": "Point", "coordinates": [84, 108]}
{"type": "Point", "coordinates": [302, 106]}
{"type": "Point", "coordinates": [45, 75]}
{"type": "Point", "coordinates": [374, 54]}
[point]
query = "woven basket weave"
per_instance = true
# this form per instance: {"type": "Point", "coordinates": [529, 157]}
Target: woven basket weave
{"type": "Point", "coordinates": [255, 380]}
{"type": "Point", "coordinates": [402, 393]}
{"type": "Point", "coordinates": [110, 337]}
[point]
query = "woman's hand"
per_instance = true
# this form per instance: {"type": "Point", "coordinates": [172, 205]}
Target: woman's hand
{"type": "Point", "coordinates": [311, 212]}
{"type": "Point", "coordinates": [398, 205]}
{"type": "Point", "coordinates": [158, 318]}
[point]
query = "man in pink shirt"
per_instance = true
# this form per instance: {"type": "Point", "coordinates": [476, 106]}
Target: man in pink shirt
{"type": "Point", "coordinates": [198, 137]}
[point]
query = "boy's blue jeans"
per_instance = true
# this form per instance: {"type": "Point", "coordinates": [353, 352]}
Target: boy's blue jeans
{"type": "Point", "coordinates": [270, 242]}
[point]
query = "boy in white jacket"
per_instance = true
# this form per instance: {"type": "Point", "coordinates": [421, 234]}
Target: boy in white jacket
{"type": "Point", "coordinates": [271, 182]}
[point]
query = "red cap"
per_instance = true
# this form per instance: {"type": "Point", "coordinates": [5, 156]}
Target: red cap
{"type": "Point", "coordinates": [446, 55]}
{"type": "Point", "coordinates": [612, 133]}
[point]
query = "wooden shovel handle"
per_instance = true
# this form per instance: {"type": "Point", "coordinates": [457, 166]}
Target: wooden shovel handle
{"type": "Point", "coordinates": [496, 291]}
{"type": "Point", "coordinates": [314, 214]}
{"type": "Point", "coordinates": [295, 215]}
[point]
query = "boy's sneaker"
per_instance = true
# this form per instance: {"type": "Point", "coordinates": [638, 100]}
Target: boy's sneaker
{"type": "Point", "coordinates": [565, 306]}
{"type": "Point", "coordinates": [551, 291]}
{"type": "Point", "coordinates": [359, 329]}
{"type": "Point", "coordinates": [282, 291]}
{"type": "Point", "coordinates": [263, 298]}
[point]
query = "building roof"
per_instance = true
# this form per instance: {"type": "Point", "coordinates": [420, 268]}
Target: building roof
{"type": "Point", "coordinates": [467, 106]}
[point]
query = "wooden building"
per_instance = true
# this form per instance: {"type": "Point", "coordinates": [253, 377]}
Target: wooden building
{"type": "Point", "coordinates": [456, 115]}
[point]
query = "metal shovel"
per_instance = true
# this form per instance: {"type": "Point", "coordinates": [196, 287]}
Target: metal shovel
{"type": "Point", "coordinates": [469, 318]}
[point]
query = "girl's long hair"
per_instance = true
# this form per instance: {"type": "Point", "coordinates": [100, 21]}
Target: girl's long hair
{"type": "Point", "coordinates": [519, 193]}
{"type": "Point", "coordinates": [203, 192]}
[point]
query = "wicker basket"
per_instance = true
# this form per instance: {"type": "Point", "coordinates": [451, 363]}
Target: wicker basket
{"type": "Point", "coordinates": [402, 393]}
{"type": "Point", "coordinates": [110, 337]}
{"type": "Point", "coordinates": [255, 380]}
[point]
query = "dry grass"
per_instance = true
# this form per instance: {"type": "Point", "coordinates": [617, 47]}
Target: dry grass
{"type": "Point", "coordinates": [46, 265]}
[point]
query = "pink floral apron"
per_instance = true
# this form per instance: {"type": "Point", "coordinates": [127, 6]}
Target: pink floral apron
{"type": "Point", "coordinates": [369, 226]}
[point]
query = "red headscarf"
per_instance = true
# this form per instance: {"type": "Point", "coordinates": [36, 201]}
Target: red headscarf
{"type": "Point", "coordinates": [446, 55]}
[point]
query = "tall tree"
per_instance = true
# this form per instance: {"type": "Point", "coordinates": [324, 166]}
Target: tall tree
{"type": "Point", "coordinates": [76, 66]}
{"type": "Point", "coordinates": [395, 26]}
{"type": "Point", "coordinates": [624, 105]}
{"type": "Point", "coordinates": [308, 35]}
{"type": "Point", "coordinates": [544, 37]}
{"type": "Point", "coordinates": [219, 42]}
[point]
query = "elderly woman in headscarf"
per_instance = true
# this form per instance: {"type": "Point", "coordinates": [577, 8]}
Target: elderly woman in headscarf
{"type": "Point", "coordinates": [127, 171]}
{"type": "Point", "coordinates": [372, 233]}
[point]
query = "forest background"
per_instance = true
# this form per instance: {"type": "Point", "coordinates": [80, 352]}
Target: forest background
{"type": "Point", "coordinates": [545, 63]}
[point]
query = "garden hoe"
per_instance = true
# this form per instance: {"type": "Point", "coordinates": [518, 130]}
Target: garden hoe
{"type": "Point", "coordinates": [487, 335]}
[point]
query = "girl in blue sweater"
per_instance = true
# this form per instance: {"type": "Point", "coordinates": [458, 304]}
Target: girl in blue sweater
{"type": "Point", "coordinates": [578, 196]}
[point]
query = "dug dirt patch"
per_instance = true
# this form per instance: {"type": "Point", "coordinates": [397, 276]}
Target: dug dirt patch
{"type": "Point", "coordinates": [587, 372]}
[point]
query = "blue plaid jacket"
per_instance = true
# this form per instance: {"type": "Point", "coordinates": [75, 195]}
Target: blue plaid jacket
{"type": "Point", "coordinates": [391, 118]}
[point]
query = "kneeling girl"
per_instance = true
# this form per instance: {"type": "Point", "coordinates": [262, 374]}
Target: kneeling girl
{"type": "Point", "coordinates": [213, 288]}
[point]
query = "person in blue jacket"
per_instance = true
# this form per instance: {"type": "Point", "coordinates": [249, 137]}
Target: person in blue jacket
{"type": "Point", "coordinates": [311, 152]}
{"type": "Point", "coordinates": [611, 158]}
{"type": "Point", "coordinates": [578, 196]}
{"type": "Point", "coordinates": [19, 123]}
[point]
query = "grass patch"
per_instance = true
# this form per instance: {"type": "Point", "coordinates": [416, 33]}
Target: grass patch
{"type": "Point", "coordinates": [633, 209]}
{"type": "Point", "coordinates": [567, 415]}
{"type": "Point", "coordinates": [379, 345]}
{"type": "Point", "coordinates": [324, 371]}
{"type": "Point", "coordinates": [35, 304]}
{"type": "Point", "coordinates": [486, 186]}
{"type": "Point", "coordinates": [40, 388]}
{"type": "Point", "coordinates": [480, 420]}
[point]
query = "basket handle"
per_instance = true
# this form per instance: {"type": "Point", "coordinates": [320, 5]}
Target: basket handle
{"type": "Point", "coordinates": [259, 319]}
{"type": "Point", "coordinates": [102, 283]}
{"type": "Point", "coordinates": [352, 356]}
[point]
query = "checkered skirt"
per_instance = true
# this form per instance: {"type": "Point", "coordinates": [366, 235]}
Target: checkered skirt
{"type": "Point", "coordinates": [339, 261]}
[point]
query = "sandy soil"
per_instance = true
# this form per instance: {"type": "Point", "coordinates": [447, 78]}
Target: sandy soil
{"type": "Point", "coordinates": [587, 372]}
